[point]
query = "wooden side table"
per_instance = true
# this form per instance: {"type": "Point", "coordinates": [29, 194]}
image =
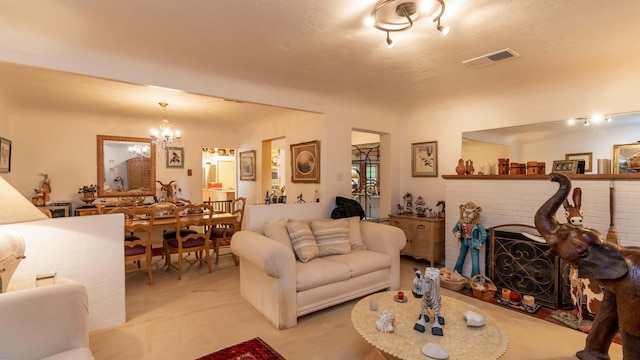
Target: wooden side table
{"type": "Point", "coordinates": [425, 236]}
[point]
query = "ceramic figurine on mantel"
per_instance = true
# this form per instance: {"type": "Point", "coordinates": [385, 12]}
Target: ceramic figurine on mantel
{"type": "Point", "coordinates": [469, 167]}
{"type": "Point", "coordinates": [461, 169]}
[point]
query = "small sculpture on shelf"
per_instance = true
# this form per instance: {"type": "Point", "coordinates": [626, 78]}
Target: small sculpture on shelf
{"type": "Point", "coordinates": [169, 188]}
{"type": "Point", "coordinates": [420, 207]}
{"type": "Point", "coordinates": [408, 204]}
{"type": "Point", "coordinates": [469, 169]}
{"type": "Point", "coordinates": [300, 199]}
{"type": "Point", "coordinates": [400, 210]}
{"type": "Point", "coordinates": [427, 287]}
{"type": "Point", "coordinates": [42, 193]}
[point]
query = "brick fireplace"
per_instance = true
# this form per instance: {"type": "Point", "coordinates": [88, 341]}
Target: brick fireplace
{"type": "Point", "coordinates": [515, 199]}
{"type": "Point", "coordinates": [518, 263]}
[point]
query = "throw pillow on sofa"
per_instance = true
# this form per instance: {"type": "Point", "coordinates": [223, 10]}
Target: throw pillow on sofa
{"type": "Point", "coordinates": [277, 230]}
{"type": "Point", "coordinates": [332, 236]}
{"type": "Point", "coordinates": [302, 239]}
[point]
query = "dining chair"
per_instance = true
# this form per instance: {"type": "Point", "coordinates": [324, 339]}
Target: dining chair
{"type": "Point", "coordinates": [221, 235]}
{"type": "Point", "coordinates": [221, 206]}
{"type": "Point", "coordinates": [199, 216]}
{"type": "Point", "coordinates": [138, 236]}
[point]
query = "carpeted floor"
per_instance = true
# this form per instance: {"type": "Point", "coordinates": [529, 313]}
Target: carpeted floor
{"type": "Point", "coordinates": [253, 349]}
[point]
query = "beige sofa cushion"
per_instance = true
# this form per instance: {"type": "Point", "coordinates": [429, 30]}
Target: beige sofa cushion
{"type": "Point", "coordinates": [277, 230]}
{"type": "Point", "coordinates": [354, 234]}
{"type": "Point", "coordinates": [332, 236]}
{"type": "Point", "coordinates": [318, 272]}
{"type": "Point", "coordinates": [362, 262]}
{"type": "Point", "coordinates": [302, 240]}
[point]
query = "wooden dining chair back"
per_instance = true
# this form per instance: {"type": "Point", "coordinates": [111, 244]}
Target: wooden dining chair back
{"type": "Point", "coordinates": [221, 206]}
{"type": "Point", "coordinates": [221, 235]}
{"type": "Point", "coordinates": [138, 230]}
{"type": "Point", "coordinates": [194, 217]}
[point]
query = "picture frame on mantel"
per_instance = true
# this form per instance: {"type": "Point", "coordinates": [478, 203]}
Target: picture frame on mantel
{"type": "Point", "coordinates": [424, 159]}
{"type": "Point", "coordinates": [175, 157]}
{"type": "Point", "coordinates": [248, 165]}
{"type": "Point", "coordinates": [305, 162]}
{"type": "Point", "coordinates": [5, 155]}
{"type": "Point", "coordinates": [586, 157]}
{"type": "Point", "coordinates": [565, 166]}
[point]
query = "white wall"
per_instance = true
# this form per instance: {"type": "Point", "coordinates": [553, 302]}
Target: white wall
{"type": "Point", "coordinates": [63, 145]}
{"type": "Point", "coordinates": [607, 92]}
{"type": "Point", "coordinates": [516, 202]}
{"type": "Point", "coordinates": [85, 249]}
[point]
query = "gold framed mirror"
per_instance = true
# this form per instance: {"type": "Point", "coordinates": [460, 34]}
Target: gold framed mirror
{"type": "Point", "coordinates": [126, 166]}
{"type": "Point", "coordinates": [626, 158]}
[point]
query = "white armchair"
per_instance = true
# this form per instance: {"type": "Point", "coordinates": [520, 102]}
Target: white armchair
{"type": "Point", "coordinates": [49, 322]}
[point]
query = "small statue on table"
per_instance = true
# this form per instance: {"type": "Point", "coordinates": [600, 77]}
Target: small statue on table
{"type": "Point", "coordinates": [408, 204]}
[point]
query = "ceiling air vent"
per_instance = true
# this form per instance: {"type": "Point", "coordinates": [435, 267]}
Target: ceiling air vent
{"type": "Point", "coordinates": [492, 58]}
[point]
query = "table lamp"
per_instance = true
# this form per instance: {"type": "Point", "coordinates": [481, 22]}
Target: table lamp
{"type": "Point", "coordinates": [14, 208]}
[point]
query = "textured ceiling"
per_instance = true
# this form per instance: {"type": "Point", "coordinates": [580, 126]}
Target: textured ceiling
{"type": "Point", "coordinates": [318, 46]}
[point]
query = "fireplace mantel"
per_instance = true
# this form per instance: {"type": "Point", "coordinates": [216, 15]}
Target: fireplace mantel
{"type": "Point", "coordinates": [544, 177]}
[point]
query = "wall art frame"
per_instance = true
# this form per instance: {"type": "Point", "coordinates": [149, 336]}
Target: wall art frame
{"type": "Point", "coordinates": [175, 157]}
{"type": "Point", "coordinates": [586, 157]}
{"type": "Point", "coordinates": [565, 166]}
{"type": "Point", "coordinates": [424, 159]}
{"type": "Point", "coordinates": [5, 155]}
{"type": "Point", "coordinates": [248, 165]}
{"type": "Point", "coordinates": [625, 158]}
{"type": "Point", "coordinates": [305, 162]}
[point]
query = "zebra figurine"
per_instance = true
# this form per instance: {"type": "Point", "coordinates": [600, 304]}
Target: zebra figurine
{"type": "Point", "coordinates": [427, 287]}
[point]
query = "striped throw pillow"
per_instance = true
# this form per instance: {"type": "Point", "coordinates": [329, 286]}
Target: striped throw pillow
{"type": "Point", "coordinates": [304, 244]}
{"type": "Point", "coordinates": [332, 236]}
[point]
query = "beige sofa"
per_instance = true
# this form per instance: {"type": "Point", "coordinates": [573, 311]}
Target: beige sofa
{"type": "Point", "coordinates": [284, 288]}
{"type": "Point", "coordinates": [49, 322]}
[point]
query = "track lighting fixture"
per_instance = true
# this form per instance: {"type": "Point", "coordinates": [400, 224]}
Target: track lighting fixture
{"type": "Point", "coordinates": [399, 15]}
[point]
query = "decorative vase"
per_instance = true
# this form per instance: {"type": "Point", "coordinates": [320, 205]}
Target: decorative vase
{"type": "Point", "coordinates": [469, 168]}
{"type": "Point", "coordinates": [460, 169]}
{"type": "Point", "coordinates": [89, 197]}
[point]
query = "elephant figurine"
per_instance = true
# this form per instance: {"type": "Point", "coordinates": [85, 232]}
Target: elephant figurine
{"type": "Point", "coordinates": [615, 267]}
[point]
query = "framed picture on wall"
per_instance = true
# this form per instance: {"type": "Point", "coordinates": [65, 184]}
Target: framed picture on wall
{"type": "Point", "coordinates": [424, 159]}
{"type": "Point", "coordinates": [248, 165]}
{"type": "Point", "coordinates": [5, 155]}
{"type": "Point", "coordinates": [175, 157]}
{"type": "Point", "coordinates": [305, 162]}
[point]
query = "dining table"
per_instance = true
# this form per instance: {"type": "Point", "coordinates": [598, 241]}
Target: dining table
{"type": "Point", "coordinates": [170, 221]}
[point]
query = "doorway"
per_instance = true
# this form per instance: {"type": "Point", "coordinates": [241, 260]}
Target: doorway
{"type": "Point", "coordinates": [365, 172]}
{"type": "Point", "coordinates": [219, 174]}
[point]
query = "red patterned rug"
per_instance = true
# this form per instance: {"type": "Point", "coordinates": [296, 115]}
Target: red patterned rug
{"type": "Point", "coordinates": [254, 349]}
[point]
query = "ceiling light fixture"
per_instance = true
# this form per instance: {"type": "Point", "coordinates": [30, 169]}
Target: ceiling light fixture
{"type": "Point", "coordinates": [166, 135]}
{"type": "Point", "coordinates": [399, 15]}
{"type": "Point", "coordinates": [390, 43]}
{"type": "Point", "coordinates": [596, 118]}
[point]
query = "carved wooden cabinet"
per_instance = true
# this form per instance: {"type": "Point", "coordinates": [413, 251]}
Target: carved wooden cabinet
{"type": "Point", "coordinates": [425, 236]}
{"type": "Point", "coordinates": [139, 172]}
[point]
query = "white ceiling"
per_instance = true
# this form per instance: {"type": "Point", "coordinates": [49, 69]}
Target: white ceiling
{"type": "Point", "coordinates": [317, 46]}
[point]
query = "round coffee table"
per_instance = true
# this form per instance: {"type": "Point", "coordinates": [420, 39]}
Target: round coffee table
{"type": "Point", "coordinates": [462, 342]}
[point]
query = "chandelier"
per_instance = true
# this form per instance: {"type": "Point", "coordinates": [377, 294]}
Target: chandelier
{"type": "Point", "coordinates": [166, 135]}
{"type": "Point", "coordinates": [139, 150]}
{"type": "Point", "coordinates": [399, 15]}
